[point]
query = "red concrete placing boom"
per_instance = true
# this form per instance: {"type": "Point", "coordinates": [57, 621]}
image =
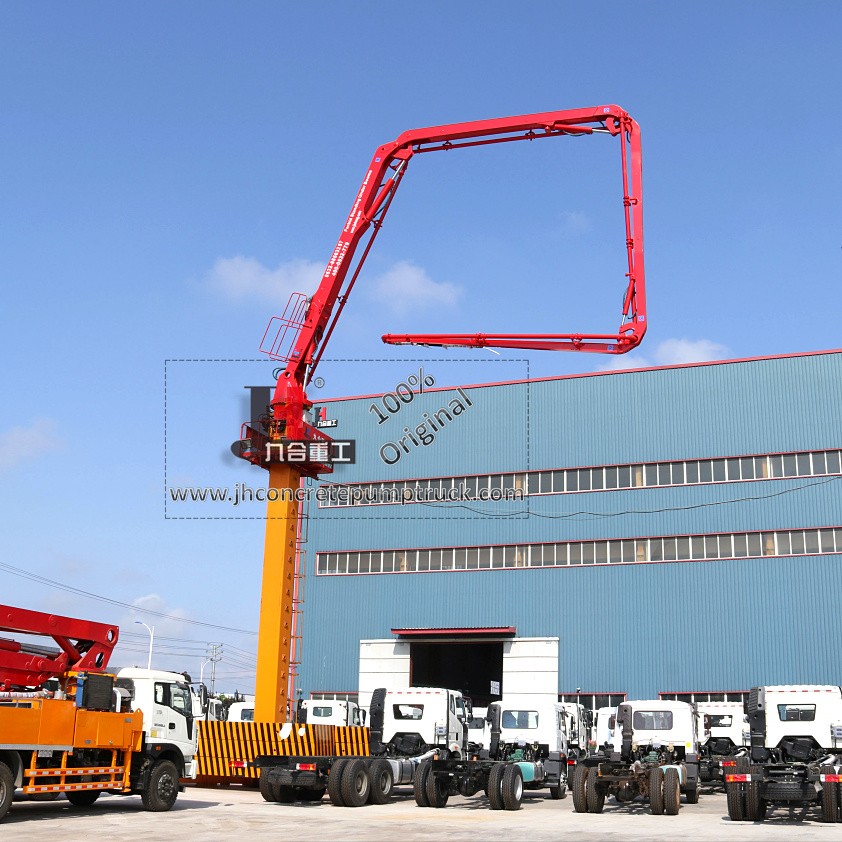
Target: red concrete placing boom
{"type": "Point", "coordinates": [300, 336]}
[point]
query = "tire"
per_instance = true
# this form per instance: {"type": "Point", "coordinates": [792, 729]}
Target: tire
{"type": "Point", "coordinates": [334, 782]}
{"type": "Point", "coordinates": [495, 786]}
{"type": "Point", "coordinates": [593, 793]}
{"type": "Point", "coordinates": [736, 801]}
{"type": "Point", "coordinates": [437, 790]}
{"type": "Point", "coordinates": [266, 789]}
{"type": "Point", "coordinates": [83, 797]}
{"type": "Point", "coordinates": [579, 787]}
{"type": "Point", "coordinates": [672, 792]}
{"type": "Point", "coordinates": [829, 797]}
{"type": "Point", "coordinates": [558, 792]}
{"type": "Point", "coordinates": [512, 787]}
{"type": "Point", "coordinates": [309, 794]}
{"type": "Point", "coordinates": [755, 806]}
{"type": "Point", "coordinates": [692, 793]}
{"type": "Point", "coordinates": [381, 782]}
{"type": "Point", "coordinates": [7, 789]}
{"type": "Point", "coordinates": [355, 783]}
{"type": "Point", "coordinates": [656, 791]}
{"type": "Point", "coordinates": [420, 784]}
{"type": "Point", "coordinates": [162, 790]}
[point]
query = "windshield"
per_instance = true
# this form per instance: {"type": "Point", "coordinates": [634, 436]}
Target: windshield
{"type": "Point", "coordinates": [408, 711]}
{"type": "Point", "coordinates": [721, 720]}
{"type": "Point", "coordinates": [652, 720]}
{"type": "Point", "coordinates": [181, 700]}
{"type": "Point", "coordinates": [520, 719]}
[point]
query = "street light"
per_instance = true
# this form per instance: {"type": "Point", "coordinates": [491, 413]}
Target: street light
{"type": "Point", "coordinates": [202, 670]}
{"type": "Point", "coordinates": [151, 630]}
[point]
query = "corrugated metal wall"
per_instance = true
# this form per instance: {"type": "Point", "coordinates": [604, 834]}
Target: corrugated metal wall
{"type": "Point", "coordinates": [637, 628]}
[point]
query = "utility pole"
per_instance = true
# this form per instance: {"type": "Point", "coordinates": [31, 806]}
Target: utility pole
{"type": "Point", "coordinates": [213, 655]}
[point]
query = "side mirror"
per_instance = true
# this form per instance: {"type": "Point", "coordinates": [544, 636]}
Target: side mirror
{"type": "Point", "coordinates": [203, 697]}
{"type": "Point", "coordinates": [362, 717]}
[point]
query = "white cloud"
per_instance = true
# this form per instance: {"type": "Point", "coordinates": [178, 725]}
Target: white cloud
{"type": "Point", "coordinates": [246, 279]}
{"type": "Point", "coordinates": [407, 287]}
{"type": "Point", "coordinates": [23, 444]}
{"type": "Point", "coordinates": [670, 352]}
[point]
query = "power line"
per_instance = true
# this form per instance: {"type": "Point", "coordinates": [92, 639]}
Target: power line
{"type": "Point", "coordinates": [43, 580]}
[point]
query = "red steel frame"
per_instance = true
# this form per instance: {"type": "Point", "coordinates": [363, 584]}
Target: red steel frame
{"type": "Point", "coordinates": [83, 645]}
{"type": "Point", "coordinates": [371, 204]}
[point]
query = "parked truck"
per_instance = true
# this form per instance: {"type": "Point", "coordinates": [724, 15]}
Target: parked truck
{"type": "Point", "coordinates": [795, 756]}
{"type": "Point", "coordinates": [406, 728]}
{"type": "Point", "coordinates": [653, 753]}
{"type": "Point", "coordinates": [68, 726]}
{"type": "Point", "coordinates": [723, 734]}
{"type": "Point", "coordinates": [528, 749]}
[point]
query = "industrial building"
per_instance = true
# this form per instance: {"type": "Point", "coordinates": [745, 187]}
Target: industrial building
{"type": "Point", "coordinates": [676, 531]}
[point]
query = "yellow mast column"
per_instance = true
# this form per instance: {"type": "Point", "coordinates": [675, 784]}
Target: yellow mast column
{"type": "Point", "coordinates": [274, 641]}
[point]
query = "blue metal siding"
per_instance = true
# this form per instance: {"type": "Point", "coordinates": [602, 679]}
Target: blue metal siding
{"type": "Point", "coordinates": [639, 628]}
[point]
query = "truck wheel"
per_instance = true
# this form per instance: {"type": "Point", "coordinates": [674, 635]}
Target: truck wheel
{"type": "Point", "coordinates": [594, 794]}
{"type": "Point", "coordinates": [266, 789]}
{"type": "Point", "coordinates": [829, 797]}
{"type": "Point", "coordinates": [437, 790]}
{"type": "Point", "coordinates": [7, 789]}
{"type": "Point", "coordinates": [692, 794]}
{"type": "Point", "coordinates": [495, 786]}
{"type": "Point", "coordinates": [355, 783]}
{"type": "Point", "coordinates": [162, 790]}
{"type": "Point", "coordinates": [755, 806]}
{"type": "Point", "coordinates": [672, 792]}
{"type": "Point", "coordinates": [82, 797]}
{"type": "Point", "coordinates": [334, 782]}
{"type": "Point", "coordinates": [656, 791]}
{"type": "Point", "coordinates": [580, 797]}
{"type": "Point", "coordinates": [420, 783]}
{"type": "Point", "coordinates": [512, 787]}
{"type": "Point", "coordinates": [736, 801]}
{"type": "Point", "coordinates": [557, 792]}
{"type": "Point", "coordinates": [381, 782]}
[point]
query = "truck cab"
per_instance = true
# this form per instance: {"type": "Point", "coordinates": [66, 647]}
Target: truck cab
{"type": "Point", "coordinates": [534, 724]}
{"type": "Point", "coordinates": [420, 718]}
{"type": "Point", "coordinates": [603, 727]}
{"type": "Point", "coordinates": [242, 711]}
{"type": "Point", "coordinates": [168, 721]}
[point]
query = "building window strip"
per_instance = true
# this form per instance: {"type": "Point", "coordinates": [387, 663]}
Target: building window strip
{"type": "Point", "coordinates": [584, 480]}
{"type": "Point", "coordinates": [778, 543]}
{"type": "Point", "coordinates": [706, 696]}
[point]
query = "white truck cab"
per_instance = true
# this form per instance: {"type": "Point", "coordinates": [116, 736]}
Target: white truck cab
{"type": "Point", "coordinates": [479, 730]}
{"type": "Point", "coordinates": [332, 712]}
{"type": "Point", "coordinates": [723, 721]}
{"type": "Point", "coordinates": [167, 705]}
{"type": "Point", "coordinates": [808, 713]}
{"type": "Point", "coordinates": [603, 727]}
{"type": "Point", "coordinates": [658, 723]}
{"type": "Point", "coordinates": [424, 716]}
{"type": "Point", "coordinates": [242, 711]}
{"type": "Point", "coordinates": [530, 723]}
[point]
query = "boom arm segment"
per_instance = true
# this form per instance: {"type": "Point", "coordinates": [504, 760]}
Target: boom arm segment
{"type": "Point", "coordinates": [377, 190]}
{"type": "Point", "coordinates": [82, 645]}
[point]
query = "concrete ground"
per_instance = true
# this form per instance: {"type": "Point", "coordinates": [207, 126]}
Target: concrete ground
{"type": "Point", "coordinates": [242, 815]}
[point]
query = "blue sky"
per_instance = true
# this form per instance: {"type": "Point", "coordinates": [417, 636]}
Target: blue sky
{"type": "Point", "coordinates": [171, 171]}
